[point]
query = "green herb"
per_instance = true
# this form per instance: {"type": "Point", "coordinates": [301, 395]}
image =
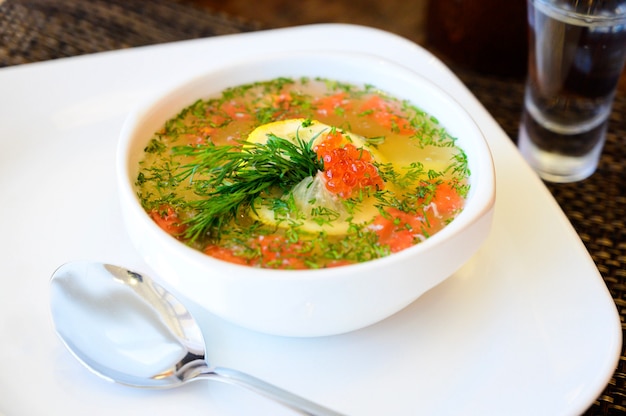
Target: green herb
{"type": "Point", "coordinates": [230, 178]}
{"type": "Point", "coordinates": [155, 146]}
{"type": "Point", "coordinates": [375, 141]}
{"type": "Point", "coordinates": [199, 164]}
{"type": "Point", "coordinates": [410, 174]}
{"type": "Point", "coordinates": [459, 165]}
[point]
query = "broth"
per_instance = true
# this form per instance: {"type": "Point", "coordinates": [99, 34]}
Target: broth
{"type": "Point", "coordinates": [302, 173]}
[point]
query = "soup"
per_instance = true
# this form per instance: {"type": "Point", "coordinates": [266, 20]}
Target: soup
{"type": "Point", "coordinates": [302, 173]}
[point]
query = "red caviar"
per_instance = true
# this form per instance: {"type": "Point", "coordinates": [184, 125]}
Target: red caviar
{"type": "Point", "coordinates": [347, 169]}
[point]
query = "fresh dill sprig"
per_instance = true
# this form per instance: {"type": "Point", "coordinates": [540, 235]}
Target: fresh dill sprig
{"type": "Point", "coordinates": [230, 178]}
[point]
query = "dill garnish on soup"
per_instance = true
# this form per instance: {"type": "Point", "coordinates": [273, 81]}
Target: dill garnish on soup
{"type": "Point", "coordinates": [302, 173]}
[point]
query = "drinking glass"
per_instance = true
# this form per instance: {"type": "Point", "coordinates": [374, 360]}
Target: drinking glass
{"type": "Point", "coordinates": [577, 50]}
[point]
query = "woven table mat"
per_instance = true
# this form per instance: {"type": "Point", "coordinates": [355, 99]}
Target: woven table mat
{"type": "Point", "coordinates": [38, 30]}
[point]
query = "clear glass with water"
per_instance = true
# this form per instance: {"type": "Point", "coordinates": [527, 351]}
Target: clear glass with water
{"type": "Point", "coordinates": [577, 50]}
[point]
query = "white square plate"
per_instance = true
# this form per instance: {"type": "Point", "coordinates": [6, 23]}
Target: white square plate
{"type": "Point", "coordinates": [527, 327]}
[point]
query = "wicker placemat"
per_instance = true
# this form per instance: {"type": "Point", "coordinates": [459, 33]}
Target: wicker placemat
{"type": "Point", "coordinates": [37, 30]}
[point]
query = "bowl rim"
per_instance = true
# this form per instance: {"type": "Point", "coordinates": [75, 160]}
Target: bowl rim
{"type": "Point", "coordinates": [481, 200]}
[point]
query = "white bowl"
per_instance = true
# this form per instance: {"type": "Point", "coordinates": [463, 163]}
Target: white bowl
{"type": "Point", "coordinates": [310, 302]}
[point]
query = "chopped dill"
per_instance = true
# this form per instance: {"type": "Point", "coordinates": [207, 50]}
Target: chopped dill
{"type": "Point", "coordinates": [234, 194]}
{"type": "Point", "coordinates": [229, 178]}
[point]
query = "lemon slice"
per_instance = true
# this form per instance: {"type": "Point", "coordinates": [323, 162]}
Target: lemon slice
{"type": "Point", "coordinates": [314, 209]}
{"type": "Point", "coordinates": [289, 130]}
{"type": "Point", "coordinates": [311, 207]}
{"type": "Point", "coordinates": [307, 130]}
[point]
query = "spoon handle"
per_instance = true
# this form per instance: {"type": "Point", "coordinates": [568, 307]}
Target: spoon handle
{"type": "Point", "coordinates": [266, 389]}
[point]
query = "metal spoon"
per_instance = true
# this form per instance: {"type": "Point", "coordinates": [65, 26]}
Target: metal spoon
{"type": "Point", "coordinates": [127, 329]}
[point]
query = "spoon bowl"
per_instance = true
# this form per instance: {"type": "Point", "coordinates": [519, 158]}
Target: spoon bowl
{"type": "Point", "coordinates": [127, 329]}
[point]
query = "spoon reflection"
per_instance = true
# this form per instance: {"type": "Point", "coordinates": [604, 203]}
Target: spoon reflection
{"type": "Point", "coordinates": [128, 329]}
